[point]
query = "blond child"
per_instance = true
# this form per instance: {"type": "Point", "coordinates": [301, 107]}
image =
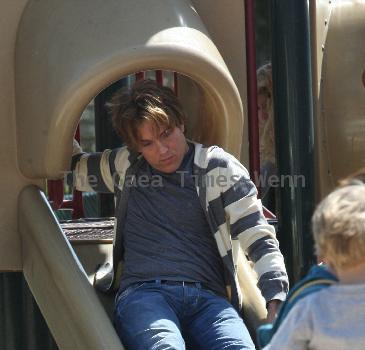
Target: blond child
{"type": "Point", "coordinates": [334, 317]}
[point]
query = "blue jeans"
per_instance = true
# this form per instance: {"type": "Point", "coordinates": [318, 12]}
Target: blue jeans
{"type": "Point", "coordinates": [155, 316]}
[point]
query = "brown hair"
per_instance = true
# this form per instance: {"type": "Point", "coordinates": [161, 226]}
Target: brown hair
{"type": "Point", "coordinates": [145, 100]}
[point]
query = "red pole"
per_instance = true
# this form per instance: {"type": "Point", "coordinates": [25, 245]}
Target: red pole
{"type": "Point", "coordinates": [55, 193]}
{"type": "Point", "coordinates": [159, 77]}
{"type": "Point", "coordinates": [175, 84]}
{"type": "Point", "coordinates": [139, 76]}
{"type": "Point", "coordinates": [253, 125]}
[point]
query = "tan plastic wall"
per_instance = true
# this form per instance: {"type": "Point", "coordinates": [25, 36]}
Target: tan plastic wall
{"type": "Point", "coordinates": [11, 180]}
{"type": "Point", "coordinates": [341, 94]}
{"type": "Point", "coordinates": [231, 43]}
{"type": "Point", "coordinates": [73, 52]}
{"type": "Point", "coordinates": [320, 12]}
{"type": "Point", "coordinates": [63, 59]}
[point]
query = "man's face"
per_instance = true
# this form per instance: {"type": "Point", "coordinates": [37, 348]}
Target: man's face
{"type": "Point", "coordinates": [163, 148]}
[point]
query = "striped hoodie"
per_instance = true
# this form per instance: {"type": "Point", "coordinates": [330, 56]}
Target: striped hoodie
{"type": "Point", "coordinates": [229, 200]}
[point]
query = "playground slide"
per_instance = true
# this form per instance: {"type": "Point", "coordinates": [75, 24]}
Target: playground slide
{"type": "Point", "coordinates": [66, 53]}
{"type": "Point", "coordinates": [57, 280]}
{"type": "Point", "coordinates": [68, 302]}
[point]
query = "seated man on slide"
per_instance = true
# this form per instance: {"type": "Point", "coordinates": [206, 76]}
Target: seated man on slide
{"type": "Point", "coordinates": [180, 207]}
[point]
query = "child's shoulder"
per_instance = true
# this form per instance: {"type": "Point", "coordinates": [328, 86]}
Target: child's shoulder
{"type": "Point", "coordinates": [318, 305]}
{"type": "Point", "coordinates": [305, 300]}
{"type": "Point", "coordinates": [314, 290]}
{"type": "Point", "coordinates": [313, 300]}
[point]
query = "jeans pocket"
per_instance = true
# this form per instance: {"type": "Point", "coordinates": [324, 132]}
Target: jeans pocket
{"type": "Point", "coordinates": [123, 294]}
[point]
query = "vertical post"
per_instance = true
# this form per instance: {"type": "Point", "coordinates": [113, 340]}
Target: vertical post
{"type": "Point", "coordinates": [77, 205]}
{"type": "Point", "coordinates": [140, 76]}
{"type": "Point", "coordinates": [253, 127]}
{"type": "Point", "coordinates": [55, 193]}
{"type": "Point", "coordinates": [291, 61]}
{"type": "Point", "coordinates": [159, 77]}
{"type": "Point", "coordinates": [175, 84]}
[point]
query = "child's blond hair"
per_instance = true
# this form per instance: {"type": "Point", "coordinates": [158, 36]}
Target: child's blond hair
{"type": "Point", "coordinates": [338, 226]}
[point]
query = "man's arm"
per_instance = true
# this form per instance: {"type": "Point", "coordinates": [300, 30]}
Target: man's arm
{"type": "Point", "coordinates": [257, 238]}
{"type": "Point", "coordinates": [92, 171]}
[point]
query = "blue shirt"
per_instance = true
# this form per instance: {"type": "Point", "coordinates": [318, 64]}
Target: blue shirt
{"type": "Point", "coordinates": [166, 234]}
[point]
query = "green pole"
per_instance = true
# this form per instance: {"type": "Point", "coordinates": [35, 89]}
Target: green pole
{"type": "Point", "coordinates": [293, 107]}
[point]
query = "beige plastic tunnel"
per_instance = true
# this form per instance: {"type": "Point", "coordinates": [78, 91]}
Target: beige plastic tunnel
{"type": "Point", "coordinates": [68, 51]}
{"type": "Point", "coordinates": [341, 92]}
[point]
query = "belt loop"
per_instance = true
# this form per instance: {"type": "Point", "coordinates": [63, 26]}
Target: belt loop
{"type": "Point", "coordinates": [158, 282]}
{"type": "Point", "coordinates": [199, 285]}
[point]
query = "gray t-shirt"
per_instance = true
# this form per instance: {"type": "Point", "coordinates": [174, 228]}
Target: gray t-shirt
{"type": "Point", "coordinates": [164, 219]}
{"type": "Point", "coordinates": [331, 319]}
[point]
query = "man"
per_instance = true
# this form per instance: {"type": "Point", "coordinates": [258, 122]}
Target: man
{"type": "Point", "coordinates": [180, 206]}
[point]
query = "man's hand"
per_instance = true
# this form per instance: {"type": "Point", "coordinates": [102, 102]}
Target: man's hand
{"type": "Point", "coordinates": [76, 148]}
{"type": "Point", "coordinates": [272, 310]}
